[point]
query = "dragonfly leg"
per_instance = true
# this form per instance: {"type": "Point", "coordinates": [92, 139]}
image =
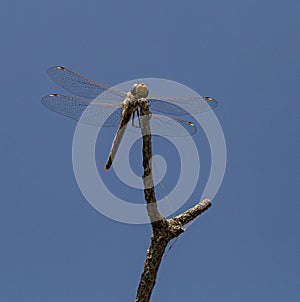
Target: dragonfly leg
{"type": "Point", "coordinates": [138, 115]}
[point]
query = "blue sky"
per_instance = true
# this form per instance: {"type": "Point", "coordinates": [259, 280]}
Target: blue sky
{"type": "Point", "coordinates": [55, 246]}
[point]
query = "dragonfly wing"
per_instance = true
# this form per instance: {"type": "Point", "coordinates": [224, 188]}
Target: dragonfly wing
{"type": "Point", "coordinates": [114, 119]}
{"type": "Point", "coordinates": [166, 107]}
{"type": "Point", "coordinates": [88, 112]}
{"type": "Point", "coordinates": [172, 127]}
{"type": "Point", "coordinates": [182, 106]}
{"type": "Point", "coordinates": [165, 126]}
{"type": "Point", "coordinates": [81, 86]}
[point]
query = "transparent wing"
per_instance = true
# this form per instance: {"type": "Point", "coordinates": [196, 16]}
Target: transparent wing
{"type": "Point", "coordinates": [80, 85]}
{"type": "Point", "coordinates": [84, 87]}
{"type": "Point", "coordinates": [168, 126]}
{"type": "Point", "coordinates": [165, 126]}
{"type": "Point", "coordinates": [96, 114]}
{"type": "Point", "coordinates": [182, 106]}
{"type": "Point", "coordinates": [109, 115]}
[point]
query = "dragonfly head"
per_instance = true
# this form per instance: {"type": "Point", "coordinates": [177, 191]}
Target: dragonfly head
{"type": "Point", "coordinates": [139, 90]}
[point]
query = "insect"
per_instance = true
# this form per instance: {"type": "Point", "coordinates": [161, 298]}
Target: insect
{"type": "Point", "coordinates": [107, 110]}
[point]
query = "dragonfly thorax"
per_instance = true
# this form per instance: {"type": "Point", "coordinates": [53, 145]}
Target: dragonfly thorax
{"type": "Point", "coordinates": [139, 90]}
{"type": "Point", "coordinates": [130, 102]}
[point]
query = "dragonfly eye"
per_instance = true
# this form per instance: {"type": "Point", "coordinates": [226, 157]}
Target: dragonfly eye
{"type": "Point", "coordinates": [142, 90]}
{"type": "Point", "coordinates": [139, 90]}
{"type": "Point", "coordinates": [133, 89]}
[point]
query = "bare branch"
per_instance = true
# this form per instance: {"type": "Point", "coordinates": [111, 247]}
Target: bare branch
{"type": "Point", "coordinates": [163, 230]}
{"type": "Point", "coordinates": [192, 213]}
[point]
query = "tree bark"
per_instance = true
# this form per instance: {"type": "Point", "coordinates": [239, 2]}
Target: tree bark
{"type": "Point", "coordinates": [163, 230]}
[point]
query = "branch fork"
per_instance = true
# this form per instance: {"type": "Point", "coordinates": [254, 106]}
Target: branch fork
{"type": "Point", "coordinates": [163, 230]}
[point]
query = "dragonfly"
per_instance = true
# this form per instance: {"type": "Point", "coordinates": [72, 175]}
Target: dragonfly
{"type": "Point", "coordinates": [100, 104]}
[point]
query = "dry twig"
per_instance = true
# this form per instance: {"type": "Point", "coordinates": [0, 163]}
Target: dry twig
{"type": "Point", "coordinates": [163, 230]}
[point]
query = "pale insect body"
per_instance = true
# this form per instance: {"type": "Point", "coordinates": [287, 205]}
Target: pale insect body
{"type": "Point", "coordinates": [112, 112]}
